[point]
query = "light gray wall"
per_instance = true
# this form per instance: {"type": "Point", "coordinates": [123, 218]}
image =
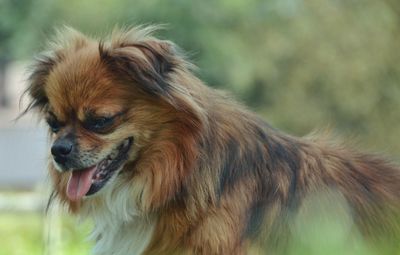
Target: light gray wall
{"type": "Point", "coordinates": [23, 157]}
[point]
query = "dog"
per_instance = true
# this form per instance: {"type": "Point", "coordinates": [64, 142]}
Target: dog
{"type": "Point", "coordinates": [164, 164]}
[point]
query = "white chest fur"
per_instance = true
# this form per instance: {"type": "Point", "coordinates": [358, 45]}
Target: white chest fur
{"type": "Point", "coordinates": [118, 229]}
{"type": "Point", "coordinates": [123, 238]}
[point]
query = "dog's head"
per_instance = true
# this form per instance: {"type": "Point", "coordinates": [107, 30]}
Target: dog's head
{"type": "Point", "coordinates": [120, 114]}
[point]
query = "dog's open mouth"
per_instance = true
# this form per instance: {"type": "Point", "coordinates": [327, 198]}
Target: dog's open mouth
{"type": "Point", "coordinates": [88, 181]}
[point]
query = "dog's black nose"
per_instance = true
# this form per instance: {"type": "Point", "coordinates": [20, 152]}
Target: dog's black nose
{"type": "Point", "coordinates": [61, 149]}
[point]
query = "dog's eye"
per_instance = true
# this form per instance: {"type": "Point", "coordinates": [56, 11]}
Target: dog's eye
{"type": "Point", "coordinates": [54, 125]}
{"type": "Point", "coordinates": [98, 123]}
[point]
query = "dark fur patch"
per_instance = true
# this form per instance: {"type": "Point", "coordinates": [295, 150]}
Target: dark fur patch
{"type": "Point", "coordinates": [161, 61]}
{"type": "Point", "coordinates": [283, 154]}
{"type": "Point", "coordinates": [232, 170]}
{"type": "Point", "coordinates": [255, 220]}
{"type": "Point", "coordinates": [150, 75]}
{"type": "Point", "coordinates": [242, 160]}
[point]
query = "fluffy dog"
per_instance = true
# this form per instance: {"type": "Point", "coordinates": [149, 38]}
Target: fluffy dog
{"type": "Point", "coordinates": [166, 165]}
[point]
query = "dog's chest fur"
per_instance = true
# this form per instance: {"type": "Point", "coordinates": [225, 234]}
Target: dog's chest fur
{"type": "Point", "coordinates": [122, 238]}
{"type": "Point", "coordinates": [118, 230]}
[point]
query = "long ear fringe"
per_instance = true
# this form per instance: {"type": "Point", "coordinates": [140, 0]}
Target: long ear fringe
{"type": "Point", "coordinates": [38, 72]}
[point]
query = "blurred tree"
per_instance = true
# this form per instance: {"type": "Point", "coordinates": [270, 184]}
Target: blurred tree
{"type": "Point", "coordinates": [21, 23]}
{"type": "Point", "coordinates": [12, 14]}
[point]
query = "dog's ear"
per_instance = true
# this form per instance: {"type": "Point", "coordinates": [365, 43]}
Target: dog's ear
{"type": "Point", "coordinates": [65, 40]}
{"type": "Point", "coordinates": [39, 72]}
{"type": "Point", "coordinates": [146, 63]}
{"type": "Point", "coordinates": [160, 54]}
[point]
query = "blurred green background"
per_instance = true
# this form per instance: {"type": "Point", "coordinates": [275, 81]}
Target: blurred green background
{"type": "Point", "coordinates": [301, 64]}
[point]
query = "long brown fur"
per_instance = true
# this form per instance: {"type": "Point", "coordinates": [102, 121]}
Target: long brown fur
{"type": "Point", "coordinates": [219, 179]}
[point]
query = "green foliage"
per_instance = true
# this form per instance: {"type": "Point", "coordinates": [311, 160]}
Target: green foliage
{"type": "Point", "coordinates": [20, 234]}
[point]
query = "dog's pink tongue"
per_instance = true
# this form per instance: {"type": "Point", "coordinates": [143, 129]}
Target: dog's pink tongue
{"type": "Point", "coordinates": [79, 183]}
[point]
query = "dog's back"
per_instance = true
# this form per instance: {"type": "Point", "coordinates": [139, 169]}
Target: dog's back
{"type": "Point", "coordinates": [271, 188]}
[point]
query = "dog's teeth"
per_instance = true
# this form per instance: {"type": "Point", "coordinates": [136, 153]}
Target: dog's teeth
{"type": "Point", "coordinates": [126, 143]}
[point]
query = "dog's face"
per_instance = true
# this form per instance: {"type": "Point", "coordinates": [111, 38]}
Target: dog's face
{"type": "Point", "coordinates": [93, 136]}
{"type": "Point", "coordinates": [109, 110]}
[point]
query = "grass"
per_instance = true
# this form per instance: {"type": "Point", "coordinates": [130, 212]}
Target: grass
{"type": "Point", "coordinates": [25, 234]}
